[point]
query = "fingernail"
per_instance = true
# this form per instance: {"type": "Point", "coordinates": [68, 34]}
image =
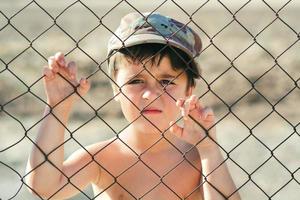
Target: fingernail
{"type": "Point", "coordinates": [185, 116]}
{"type": "Point", "coordinates": [182, 111]}
{"type": "Point", "coordinates": [62, 62]}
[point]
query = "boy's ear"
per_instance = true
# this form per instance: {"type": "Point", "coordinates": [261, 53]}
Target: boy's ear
{"type": "Point", "coordinates": [115, 92]}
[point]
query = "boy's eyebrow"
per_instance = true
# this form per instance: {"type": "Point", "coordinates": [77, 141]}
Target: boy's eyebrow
{"type": "Point", "coordinates": [167, 76]}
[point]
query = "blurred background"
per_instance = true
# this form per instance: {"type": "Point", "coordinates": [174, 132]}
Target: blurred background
{"type": "Point", "coordinates": [250, 67]}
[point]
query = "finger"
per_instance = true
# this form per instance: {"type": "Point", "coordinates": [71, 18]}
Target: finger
{"type": "Point", "coordinates": [48, 73]}
{"type": "Point", "coordinates": [180, 102]}
{"type": "Point", "coordinates": [186, 108]}
{"type": "Point", "coordinates": [52, 64]}
{"type": "Point", "coordinates": [60, 59]}
{"type": "Point", "coordinates": [84, 86]}
{"type": "Point", "coordinates": [72, 70]}
{"type": "Point", "coordinates": [200, 107]}
{"type": "Point", "coordinates": [175, 129]}
{"type": "Point", "coordinates": [208, 114]}
{"type": "Point", "coordinates": [193, 102]}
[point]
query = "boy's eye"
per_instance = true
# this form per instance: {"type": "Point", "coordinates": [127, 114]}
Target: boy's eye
{"type": "Point", "coordinates": [165, 83]}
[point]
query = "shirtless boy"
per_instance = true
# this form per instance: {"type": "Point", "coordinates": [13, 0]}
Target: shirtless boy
{"type": "Point", "coordinates": [155, 157]}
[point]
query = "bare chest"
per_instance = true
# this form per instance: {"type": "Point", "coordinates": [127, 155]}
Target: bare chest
{"type": "Point", "coordinates": [142, 181]}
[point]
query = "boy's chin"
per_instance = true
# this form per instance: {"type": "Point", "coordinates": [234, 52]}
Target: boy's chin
{"type": "Point", "coordinates": [151, 127]}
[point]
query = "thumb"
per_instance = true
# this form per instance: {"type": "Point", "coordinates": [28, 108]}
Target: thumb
{"type": "Point", "coordinates": [84, 86]}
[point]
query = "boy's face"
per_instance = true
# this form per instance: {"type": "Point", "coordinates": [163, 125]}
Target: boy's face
{"type": "Point", "coordinates": [142, 93]}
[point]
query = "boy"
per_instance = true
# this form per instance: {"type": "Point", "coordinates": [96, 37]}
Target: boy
{"type": "Point", "coordinates": [151, 62]}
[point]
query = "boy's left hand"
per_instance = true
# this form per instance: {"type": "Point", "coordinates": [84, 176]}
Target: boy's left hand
{"type": "Point", "coordinates": [196, 129]}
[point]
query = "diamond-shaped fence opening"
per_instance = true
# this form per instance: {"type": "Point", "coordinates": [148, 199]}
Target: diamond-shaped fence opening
{"type": "Point", "coordinates": [271, 31]}
{"type": "Point", "coordinates": [286, 15]}
{"type": "Point", "coordinates": [265, 14]}
{"type": "Point", "coordinates": [250, 77]}
{"type": "Point", "coordinates": [276, 133]}
{"type": "Point", "coordinates": [262, 109]}
{"type": "Point", "coordinates": [114, 120]}
{"type": "Point", "coordinates": [282, 154]}
{"type": "Point", "coordinates": [218, 66]}
{"type": "Point", "coordinates": [11, 86]}
{"type": "Point", "coordinates": [8, 33]}
{"type": "Point", "coordinates": [237, 132]}
{"type": "Point", "coordinates": [71, 23]}
{"type": "Point", "coordinates": [290, 99]}
{"type": "Point", "coordinates": [267, 170]}
{"type": "Point", "coordinates": [90, 43]}
{"type": "Point", "coordinates": [20, 110]}
{"type": "Point", "coordinates": [291, 188]}
{"type": "Point", "coordinates": [9, 123]}
{"type": "Point", "coordinates": [222, 39]}
{"type": "Point", "coordinates": [221, 20]}
{"type": "Point", "coordinates": [287, 64]}
{"type": "Point", "coordinates": [12, 183]}
{"type": "Point", "coordinates": [252, 58]}
{"type": "Point", "coordinates": [278, 81]}
{"type": "Point", "coordinates": [255, 191]}
{"type": "Point", "coordinates": [240, 86]}
{"type": "Point", "coordinates": [86, 133]}
{"type": "Point", "coordinates": [43, 44]}
{"type": "Point", "coordinates": [32, 20]}
{"type": "Point", "coordinates": [253, 148]}
{"type": "Point", "coordinates": [27, 66]}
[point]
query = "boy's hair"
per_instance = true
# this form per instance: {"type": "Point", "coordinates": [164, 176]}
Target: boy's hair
{"type": "Point", "coordinates": [141, 37]}
{"type": "Point", "coordinates": [153, 53]}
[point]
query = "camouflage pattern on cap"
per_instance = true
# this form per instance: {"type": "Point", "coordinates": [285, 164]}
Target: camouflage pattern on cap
{"type": "Point", "coordinates": [136, 29]}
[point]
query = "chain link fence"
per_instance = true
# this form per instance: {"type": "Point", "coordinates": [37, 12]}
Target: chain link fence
{"type": "Point", "coordinates": [251, 77]}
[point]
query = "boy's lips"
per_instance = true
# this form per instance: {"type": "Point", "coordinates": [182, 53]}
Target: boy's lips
{"type": "Point", "coordinates": [151, 111]}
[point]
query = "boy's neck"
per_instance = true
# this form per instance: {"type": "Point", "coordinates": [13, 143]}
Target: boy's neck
{"type": "Point", "coordinates": [141, 141]}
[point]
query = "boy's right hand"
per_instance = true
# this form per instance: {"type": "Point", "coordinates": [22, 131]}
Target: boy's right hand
{"type": "Point", "coordinates": [61, 82]}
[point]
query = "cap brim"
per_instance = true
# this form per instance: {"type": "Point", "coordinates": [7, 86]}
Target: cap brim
{"type": "Point", "coordinates": [146, 39]}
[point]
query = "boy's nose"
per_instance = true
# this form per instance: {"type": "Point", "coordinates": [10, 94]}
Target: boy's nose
{"type": "Point", "coordinates": [151, 94]}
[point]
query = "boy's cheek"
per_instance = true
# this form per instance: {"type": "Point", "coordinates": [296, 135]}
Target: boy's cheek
{"type": "Point", "coordinates": [174, 95]}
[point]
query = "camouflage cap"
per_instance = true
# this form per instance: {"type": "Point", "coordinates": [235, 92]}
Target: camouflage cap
{"type": "Point", "coordinates": [137, 29]}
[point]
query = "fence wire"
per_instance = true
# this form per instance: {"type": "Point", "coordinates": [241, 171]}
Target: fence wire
{"type": "Point", "coordinates": [291, 175]}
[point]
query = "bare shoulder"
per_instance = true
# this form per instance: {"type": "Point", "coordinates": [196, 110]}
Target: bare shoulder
{"type": "Point", "coordinates": [111, 155]}
{"type": "Point", "coordinates": [100, 146]}
{"type": "Point", "coordinates": [88, 154]}
{"type": "Point", "coordinates": [190, 153]}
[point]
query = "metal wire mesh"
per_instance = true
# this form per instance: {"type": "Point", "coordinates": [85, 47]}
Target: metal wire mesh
{"type": "Point", "coordinates": [248, 98]}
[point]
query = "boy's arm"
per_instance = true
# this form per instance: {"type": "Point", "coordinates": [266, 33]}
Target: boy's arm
{"type": "Point", "coordinates": [218, 183]}
{"type": "Point", "coordinates": [46, 170]}
{"type": "Point", "coordinates": [49, 177]}
{"type": "Point", "coordinates": [197, 119]}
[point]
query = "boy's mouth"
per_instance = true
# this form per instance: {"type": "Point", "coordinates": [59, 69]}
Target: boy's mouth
{"type": "Point", "coordinates": [151, 111]}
